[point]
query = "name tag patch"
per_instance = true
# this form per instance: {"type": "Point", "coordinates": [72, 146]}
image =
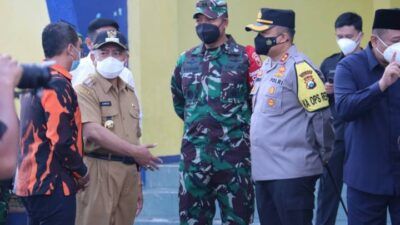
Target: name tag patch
{"type": "Point", "coordinates": [105, 103]}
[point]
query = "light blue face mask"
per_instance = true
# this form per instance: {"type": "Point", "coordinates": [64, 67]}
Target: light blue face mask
{"type": "Point", "coordinates": [75, 63]}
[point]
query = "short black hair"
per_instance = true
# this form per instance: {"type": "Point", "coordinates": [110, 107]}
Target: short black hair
{"type": "Point", "coordinates": [290, 31]}
{"type": "Point", "coordinates": [99, 23]}
{"type": "Point", "coordinates": [349, 19]}
{"type": "Point", "coordinates": [56, 37]}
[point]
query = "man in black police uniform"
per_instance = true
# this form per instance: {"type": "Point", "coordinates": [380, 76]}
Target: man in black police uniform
{"type": "Point", "coordinates": [348, 31]}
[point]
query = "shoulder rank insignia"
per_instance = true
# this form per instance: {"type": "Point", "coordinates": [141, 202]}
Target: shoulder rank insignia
{"type": "Point", "coordinates": [130, 87]}
{"type": "Point", "coordinates": [284, 57]}
{"type": "Point", "coordinates": [88, 82]}
{"type": "Point", "coordinates": [310, 88]}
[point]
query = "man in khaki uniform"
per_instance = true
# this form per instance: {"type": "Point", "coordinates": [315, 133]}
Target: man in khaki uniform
{"type": "Point", "coordinates": [110, 117]}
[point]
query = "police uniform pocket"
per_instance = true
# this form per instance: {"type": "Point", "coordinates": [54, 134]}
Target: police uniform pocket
{"type": "Point", "coordinates": [272, 100]}
{"type": "Point", "coordinates": [109, 111]}
{"type": "Point", "coordinates": [134, 112]}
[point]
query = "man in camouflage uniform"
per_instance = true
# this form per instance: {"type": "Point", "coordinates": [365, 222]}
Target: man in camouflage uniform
{"type": "Point", "coordinates": [210, 87]}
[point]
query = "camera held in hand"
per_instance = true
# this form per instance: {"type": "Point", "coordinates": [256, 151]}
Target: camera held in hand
{"type": "Point", "coordinates": [34, 76]}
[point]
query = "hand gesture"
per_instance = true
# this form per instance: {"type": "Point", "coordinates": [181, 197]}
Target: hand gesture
{"type": "Point", "coordinates": [391, 74]}
{"type": "Point", "coordinates": [143, 156]}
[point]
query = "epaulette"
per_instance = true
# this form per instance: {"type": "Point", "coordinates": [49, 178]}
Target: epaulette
{"type": "Point", "coordinates": [130, 87]}
{"type": "Point", "coordinates": [89, 82]}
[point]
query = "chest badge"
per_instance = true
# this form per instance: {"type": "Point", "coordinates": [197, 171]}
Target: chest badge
{"type": "Point", "coordinates": [271, 90]}
{"type": "Point", "coordinates": [271, 102]}
{"type": "Point", "coordinates": [109, 124]}
{"type": "Point", "coordinates": [281, 72]}
{"type": "Point", "coordinates": [310, 83]}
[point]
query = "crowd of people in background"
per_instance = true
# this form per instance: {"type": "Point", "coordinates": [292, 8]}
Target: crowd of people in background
{"type": "Point", "coordinates": [256, 133]}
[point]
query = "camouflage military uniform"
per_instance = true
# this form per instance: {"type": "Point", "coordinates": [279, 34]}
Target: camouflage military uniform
{"type": "Point", "coordinates": [5, 193]}
{"type": "Point", "coordinates": [211, 94]}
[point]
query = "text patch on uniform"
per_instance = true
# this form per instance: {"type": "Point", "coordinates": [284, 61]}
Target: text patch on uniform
{"type": "Point", "coordinates": [105, 103]}
{"type": "Point", "coordinates": [310, 88]}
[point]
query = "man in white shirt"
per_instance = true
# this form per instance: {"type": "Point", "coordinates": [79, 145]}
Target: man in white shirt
{"type": "Point", "coordinates": [86, 67]}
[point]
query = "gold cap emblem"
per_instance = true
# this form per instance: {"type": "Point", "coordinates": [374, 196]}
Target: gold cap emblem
{"type": "Point", "coordinates": [259, 15]}
{"type": "Point", "coordinates": [112, 33]}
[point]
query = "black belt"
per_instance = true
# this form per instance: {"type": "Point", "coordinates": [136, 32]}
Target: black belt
{"type": "Point", "coordinates": [110, 157]}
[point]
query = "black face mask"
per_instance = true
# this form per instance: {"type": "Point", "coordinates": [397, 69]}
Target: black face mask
{"type": "Point", "coordinates": [264, 44]}
{"type": "Point", "coordinates": [208, 33]}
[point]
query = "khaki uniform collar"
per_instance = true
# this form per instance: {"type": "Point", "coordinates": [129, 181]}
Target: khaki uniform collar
{"type": "Point", "coordinates": [107, 85]}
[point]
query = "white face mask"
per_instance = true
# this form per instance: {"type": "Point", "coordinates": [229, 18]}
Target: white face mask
{"type": "Point", "coordinates": [110, 67]}
{"type": "Point", "coordinates": [348, 45]}
{"type": "Point", "coordinates": [390, 50]}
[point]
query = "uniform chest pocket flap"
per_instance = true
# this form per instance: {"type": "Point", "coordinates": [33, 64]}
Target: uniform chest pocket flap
{"type": "Point", "coordinates": [191, 85]}
{"type": "Point", "coordinates": [108, 113]}
{"type": "Point", "coordinates": [134, 112]}
{"type": "Point", "coordinates": [191, 74]}
{"type": "Point", "coordinates": [234, 84]}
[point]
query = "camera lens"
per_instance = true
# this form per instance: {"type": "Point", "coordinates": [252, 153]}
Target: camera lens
{"type": "Point", "coordinates": [34, 76]}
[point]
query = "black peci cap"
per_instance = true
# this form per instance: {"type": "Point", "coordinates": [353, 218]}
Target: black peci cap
{"type": "Point", "coordinates": [387, 19]}
{"type": "Point", "coordinates": [272, 17]}
{"type": "Point", "coordinates": [101, 22]}
{"type": "Point", "coordinates": [106, 37]}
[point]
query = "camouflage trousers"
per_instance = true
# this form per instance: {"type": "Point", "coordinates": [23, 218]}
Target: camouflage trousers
{"type": "Point", "coordinates": [4, 197]}
{"type": "Point", "coordinates": [3, 212]}
{"type": "Point", "coordinates": [202, 184]}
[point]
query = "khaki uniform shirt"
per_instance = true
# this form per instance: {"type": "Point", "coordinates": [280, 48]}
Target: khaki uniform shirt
{"type": "Point", "coordinates": [115, 108]}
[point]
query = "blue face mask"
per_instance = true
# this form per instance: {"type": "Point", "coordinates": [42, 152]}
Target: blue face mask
{"type": "Point", "coordinates": [75, 63]}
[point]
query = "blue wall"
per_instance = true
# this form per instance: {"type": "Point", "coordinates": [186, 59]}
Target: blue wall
{"type": "Point", "coordinates": [79, 13]}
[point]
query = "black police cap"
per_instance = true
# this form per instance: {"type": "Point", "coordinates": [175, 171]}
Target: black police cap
{"type": "Point", "coordinates": [101, 22]}
{"type": "Point", "coordinates": [111, 36]}
{"type": "Point", "coordinates": [387, 19]}
{"type": "Point", "coordinates": [272, 17]}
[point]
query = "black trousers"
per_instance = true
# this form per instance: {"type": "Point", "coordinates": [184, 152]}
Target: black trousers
{"type": "Point", "coordinates": [287, 201]}
{"type": "Point", "coordinates": [371, 209]}
{"type": "Point", "coordinates": [55, 209]}
{"type": "Point", "coordinates": [328, 199]}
